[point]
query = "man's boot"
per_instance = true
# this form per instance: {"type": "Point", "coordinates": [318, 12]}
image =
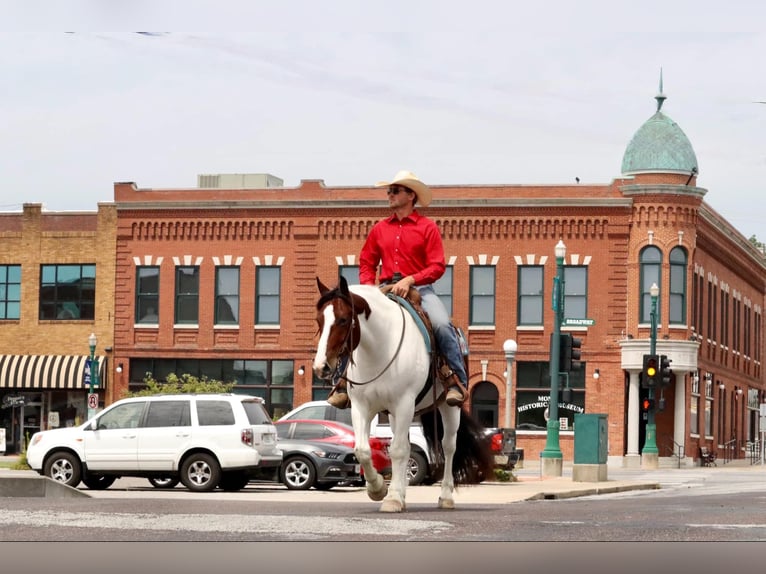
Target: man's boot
{"type": "Point", "coordinates": [338, 397]}
{"type": "Point", "coordinates": [456, 392]}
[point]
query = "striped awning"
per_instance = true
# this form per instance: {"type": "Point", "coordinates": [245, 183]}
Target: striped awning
{"type": "Point", "coordinates": [46, 371]}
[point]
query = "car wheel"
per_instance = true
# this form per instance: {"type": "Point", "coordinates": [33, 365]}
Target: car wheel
{"type": "Point", "coordinates": [98, 481]}
{"type": "Point", "coordinates": [297, 473]}
{"type": "Point", "coordinates": [233, 481]}
{"type": "Point", "coordinates": [164, 481]}
{"type": "Point", "coordinates": [63, 467]}
{"type": "Point", "coordinates": [200, 472]}
{"type": "Point", "coordinates": [417, 467]}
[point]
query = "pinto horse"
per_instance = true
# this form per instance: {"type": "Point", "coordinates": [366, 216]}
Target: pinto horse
{"type": "Point", "coordinates": [389, 370]}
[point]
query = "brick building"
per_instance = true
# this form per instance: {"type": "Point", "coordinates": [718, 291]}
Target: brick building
{"type": "Point", "coordinates": [220, 281]}
{"type": "Point", "coordinates": [56, 288]}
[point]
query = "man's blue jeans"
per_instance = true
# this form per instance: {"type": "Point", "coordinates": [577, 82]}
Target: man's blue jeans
{"type": "Point", "coordinates": [446, 339]}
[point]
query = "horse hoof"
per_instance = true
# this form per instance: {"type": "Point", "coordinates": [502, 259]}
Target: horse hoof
{"type": "Point", "coordinates": [392, 505]}
{"type": "Point", "coordinates": [377, 492]}
{"type": "Point", "coordinates": [446, 503]}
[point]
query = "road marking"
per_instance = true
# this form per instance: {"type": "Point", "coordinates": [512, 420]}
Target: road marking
{"type": "Point", "coordinates": [317, 527]}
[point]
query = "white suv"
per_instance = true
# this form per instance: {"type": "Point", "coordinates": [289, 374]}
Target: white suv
{"type": "Point", "coordinates": [419, 466]}
{"type": "Point", "coordinates": [204, 441]}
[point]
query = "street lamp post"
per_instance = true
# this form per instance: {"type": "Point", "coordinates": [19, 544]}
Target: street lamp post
{"type": "Point", "coordinates": [551, 457]}
{"type": "Point", "coordinates": [650, 453]}
{"type": "Point", "coordinates": [509, 348]}
{"type": "Point", "coordinates": [92, 342]}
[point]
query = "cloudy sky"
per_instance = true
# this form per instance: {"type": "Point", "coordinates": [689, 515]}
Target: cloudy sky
{"type": "Point", "coordinates": [350, 92]}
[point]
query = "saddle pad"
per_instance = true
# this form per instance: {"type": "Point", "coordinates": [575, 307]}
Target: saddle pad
{"type": "Point", "coordinates": [418, 321]}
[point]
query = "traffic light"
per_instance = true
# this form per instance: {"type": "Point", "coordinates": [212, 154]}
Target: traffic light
{"type": "Point", "coordinates": [569, 353]}
{"type": "Point", "coordinates": [651, 371]}
{"type": "Point", "coordinates": [666, 375]}
{"type": "Point", "coordinates": [647, 405]}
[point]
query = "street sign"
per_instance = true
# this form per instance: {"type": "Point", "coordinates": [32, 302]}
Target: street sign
{"type": "Point", "coordinates": [579, 322]}
{"type": "Point", "coordinates": [92, 401]}
{"type": "Point", "coordinates": [86, 373]}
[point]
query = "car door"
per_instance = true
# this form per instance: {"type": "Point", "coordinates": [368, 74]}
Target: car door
{"type": "Point", "coordinates": [114, 443]}
{"type": "Point", "coordinates": [165, 432]}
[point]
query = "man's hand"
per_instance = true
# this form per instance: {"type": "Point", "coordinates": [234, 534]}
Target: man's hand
{"type": "Point", "coordinates": [402, 287]}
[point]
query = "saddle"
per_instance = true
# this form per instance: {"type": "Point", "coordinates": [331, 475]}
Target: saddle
{"type": "Point", "coordinates": [440, 369]}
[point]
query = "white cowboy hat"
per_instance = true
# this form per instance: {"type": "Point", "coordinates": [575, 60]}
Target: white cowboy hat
{"type": "Point", "coordinates": [411, 181]}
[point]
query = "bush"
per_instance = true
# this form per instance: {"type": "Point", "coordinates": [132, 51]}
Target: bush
{"type": "Point", "coordinates": [185, 384]}
{"type": "Point", "coordinates": [502, 475]}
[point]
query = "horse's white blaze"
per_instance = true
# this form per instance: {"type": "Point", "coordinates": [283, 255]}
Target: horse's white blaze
{"type": "Point", "coordinates": [321, 355]}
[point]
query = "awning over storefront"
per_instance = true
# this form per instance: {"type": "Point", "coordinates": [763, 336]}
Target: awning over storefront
{"type": "Point", "coordinates": [47, 371]}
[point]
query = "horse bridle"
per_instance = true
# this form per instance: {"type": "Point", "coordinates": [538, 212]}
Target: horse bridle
{"type": "Point", "coordinates": [349, 347]}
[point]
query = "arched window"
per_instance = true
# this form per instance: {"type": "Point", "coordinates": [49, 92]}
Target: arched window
{"type": "Point", "coordinates": [678, 286]}
{"type": "Point", "coordinates": [651, 263]}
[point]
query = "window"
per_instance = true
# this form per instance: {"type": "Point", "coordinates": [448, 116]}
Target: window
{"type": "Point", "coordinates": [67, 292]}
{"type": "Point", "coordinates": [694, 401]}
{"type": "Point", "coordinates": [168, 414]}
{"type": "Point", "coordinates": [227, 295]}
{"type": "Point", "coordinates": [147, 294]}
{"type": "Point", "coordinates": [267, 294]}
{"type": "Point", "coordinates": [530, 311]}
{"type": "Point", "coordinates": [211, 413]}
{"type": "Point", "coordinates": [350, 272]}
{"type": "Point", "coordinates": [651, 259]}
{"type": "Point", "coordinates": [187, 295]}
{"type": "Point", "coordinates": [482, 295]}
{"type": "Point", "coordinates": [126, 416]}
{"type": "Point", "coordinates": [709, 408]}
{"type": "Point", "coordinates": [10, 291]}
{"type": "Point", "coordinates": [533, 384]}
{"type": "Point", "coordinates": [575, 292]}
{"type": "Point", "coordinates": [443, 288]}
{"type": "Point", "coordinates": [677, 286]}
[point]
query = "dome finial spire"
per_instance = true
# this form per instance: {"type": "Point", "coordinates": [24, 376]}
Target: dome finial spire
{"type": "Point", "coordinates": [660, 97]}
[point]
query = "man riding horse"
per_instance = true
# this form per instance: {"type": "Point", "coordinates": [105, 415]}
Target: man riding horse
{"type": "Point", "coordinates": [408, 247]}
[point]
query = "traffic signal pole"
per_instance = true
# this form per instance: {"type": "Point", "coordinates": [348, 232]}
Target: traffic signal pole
{"type": "Point", "coordinates": [650, 453]}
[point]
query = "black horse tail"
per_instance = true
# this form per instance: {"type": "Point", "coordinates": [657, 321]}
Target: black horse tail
{"type": "Point", "coordinates": [473, 461]}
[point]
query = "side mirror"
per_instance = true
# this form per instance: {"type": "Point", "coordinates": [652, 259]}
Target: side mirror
{"type": "Point", "coordinates": [93, 425]}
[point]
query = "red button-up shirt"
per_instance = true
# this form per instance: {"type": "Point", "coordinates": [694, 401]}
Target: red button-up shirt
{"type": "Point", "coordinates": [411, 246]}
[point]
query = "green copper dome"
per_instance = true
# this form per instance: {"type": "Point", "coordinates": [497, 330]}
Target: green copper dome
{"type": "Point", "coordinates": [659, 146]}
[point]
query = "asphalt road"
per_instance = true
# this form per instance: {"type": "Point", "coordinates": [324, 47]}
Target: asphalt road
{"type": "Point", "coordinates": [691, 506]}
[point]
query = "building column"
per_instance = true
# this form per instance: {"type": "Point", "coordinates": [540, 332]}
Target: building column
{"type": "Point", "coordinates": [633, 457]}
{"type": "Point", "coordinates": [679, 412]}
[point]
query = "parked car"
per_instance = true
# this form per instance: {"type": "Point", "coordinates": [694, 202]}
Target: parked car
{"type": "Point", "coordinates": [321, 465]}
{"type": "Point", "coordinates": [420, 467]}
{"type": "Point", "coordinates": [502, 441]}
{"type": "Point", "coordinates": [205, 441]}
{"type": "Point", "coordinates": [334, 432]}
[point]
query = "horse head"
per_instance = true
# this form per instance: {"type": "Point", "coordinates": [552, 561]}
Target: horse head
{"type": "Point", "coordinates": [338, 310]}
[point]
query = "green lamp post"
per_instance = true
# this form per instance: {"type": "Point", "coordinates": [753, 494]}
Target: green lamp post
{"type": "Point", "coordinates": [92, 342]}
{"type": "Point", "coordinates": [551, 458]}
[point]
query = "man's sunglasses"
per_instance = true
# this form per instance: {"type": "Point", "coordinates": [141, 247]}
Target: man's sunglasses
{"type": "Point", "coordinates": [395, 189]}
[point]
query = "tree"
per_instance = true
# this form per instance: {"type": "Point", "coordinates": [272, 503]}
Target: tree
{"type": "Point", "coordinates": [757, 244]}
{"type": "Point", "coordinates": [185, 384]}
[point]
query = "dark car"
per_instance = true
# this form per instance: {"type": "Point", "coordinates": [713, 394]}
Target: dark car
{"type": "Point", "coordinates": [334, 432]}
{"type": "Point", "coordinates": [308, 463]}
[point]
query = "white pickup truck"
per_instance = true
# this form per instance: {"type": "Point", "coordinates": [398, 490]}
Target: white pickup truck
{"type": "Point", "coordinates": [419, 465]}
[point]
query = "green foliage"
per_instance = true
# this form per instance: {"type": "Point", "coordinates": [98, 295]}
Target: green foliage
{"type": "Point", "coordinates": [758, 245]}
{"type": "Point", "coordinates": [502, 475]}
{"type": "Point", "coordinates": [185, 384]}
{"type": "Point", "coordinates": [22, 463]}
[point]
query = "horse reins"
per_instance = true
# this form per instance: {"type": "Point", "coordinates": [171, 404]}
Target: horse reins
{"type": "Point", "coordinates": [349, 347]}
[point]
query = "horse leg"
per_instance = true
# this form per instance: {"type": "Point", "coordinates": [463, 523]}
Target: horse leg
{"type": "Point", "coordinates": [451, 422]}
{"type": "Point", "coordinates": [399, 450]}
{"type": "Point", "coordinates": [376, 486]}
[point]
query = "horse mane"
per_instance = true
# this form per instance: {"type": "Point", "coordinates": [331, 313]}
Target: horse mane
{"type": "Point", "coordinates": [341, 291]}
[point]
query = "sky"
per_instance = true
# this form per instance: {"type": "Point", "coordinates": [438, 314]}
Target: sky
{"type": "Point", "coordinates": [351, 92]}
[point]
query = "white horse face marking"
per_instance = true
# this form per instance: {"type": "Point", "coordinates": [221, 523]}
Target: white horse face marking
{"type": "Point", "coordinates": [326, 319]}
